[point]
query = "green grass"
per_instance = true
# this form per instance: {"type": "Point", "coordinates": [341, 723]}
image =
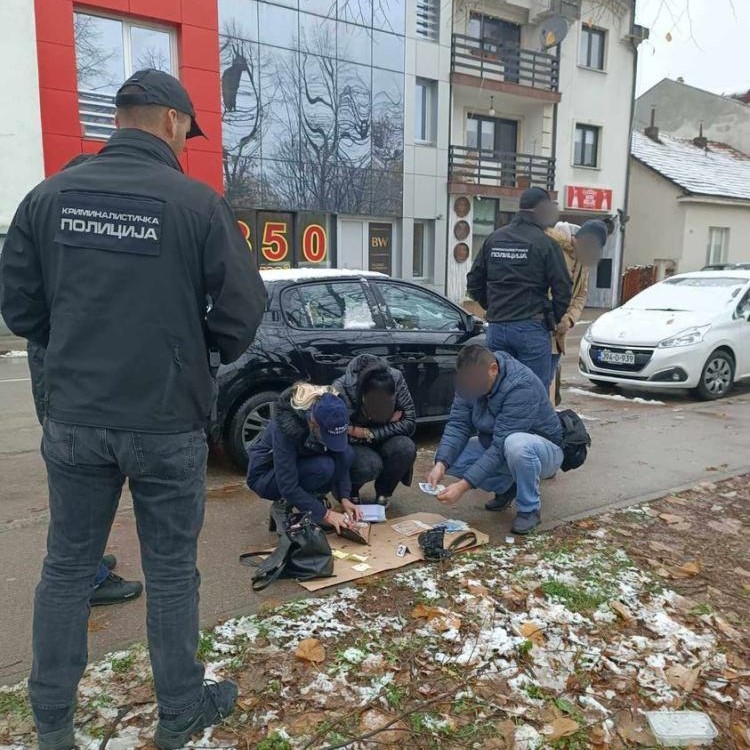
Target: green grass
{"type": "Point", "coordinates": [575, 599]}
{"type": "Point", "coordinates": [206, 646]}
{"type": "Point", "coordinates": [275, 741]}
{"type": "Point", "coordinates": [701, 609]}
{"type": "Point", "coordinates": [395, 696]}
{"type": "Point", "coordinates": [535, 692]}
{"type": "Point", "coordinates": [15, 703]}
{"type": "Point", "coordinates": [123, 664]}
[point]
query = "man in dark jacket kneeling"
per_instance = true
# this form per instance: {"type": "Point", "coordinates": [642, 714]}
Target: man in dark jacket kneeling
{"type": "Point", "coordinates": [502, 436]}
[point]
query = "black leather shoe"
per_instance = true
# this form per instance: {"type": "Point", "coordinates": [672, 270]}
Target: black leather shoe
{"type": "Point", "coordinates": [115, 590]}
{"type": "Point", "coordinates": [501, 501]}
{"type": "Point", "coordinates": [217, 703]}
{"type": "Point", "coordinates": [278, 517]}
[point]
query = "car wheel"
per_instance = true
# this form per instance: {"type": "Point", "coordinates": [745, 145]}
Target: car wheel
{"type": "Point", "coordinates": [247, 423]}
{"type": "Point", "coordinates": [603, 385]}
{"type": "Point", "coordinates": [717, 377]}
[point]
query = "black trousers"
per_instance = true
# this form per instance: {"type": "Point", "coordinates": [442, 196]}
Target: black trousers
{"type": "Point", "coordinates": [385, 463]}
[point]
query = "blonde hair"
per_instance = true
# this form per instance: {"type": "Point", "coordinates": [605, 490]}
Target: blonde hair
{"type": "Point", "coordinates": [305, 395]}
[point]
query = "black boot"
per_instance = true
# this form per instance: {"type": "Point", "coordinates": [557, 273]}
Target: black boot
{"type": "Point", "coordinates": [503, 500]}
{"type": "Point", "coordinates": [278, 517]}
{"type": "Point", "coordinates": [115, 590]}
{"type": "Point", "coordinates": [217, 702]}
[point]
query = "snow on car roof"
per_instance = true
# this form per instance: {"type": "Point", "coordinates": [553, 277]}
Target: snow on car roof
{"type": "Point", "coordinates": [719, 170]}
{"type": "Point", "coordinates": [734, 273]}
{"type": "Point", "coordinates": [306, 274]}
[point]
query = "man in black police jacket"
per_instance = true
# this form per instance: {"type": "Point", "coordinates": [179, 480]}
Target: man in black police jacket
{"type": "Point", "coordinates": [109, 266]}
{"type": "Point", "coordinates": [512, 278]}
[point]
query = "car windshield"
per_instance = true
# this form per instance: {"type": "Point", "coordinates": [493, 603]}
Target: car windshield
{"type": "Point", "coordinates": [689, 293]}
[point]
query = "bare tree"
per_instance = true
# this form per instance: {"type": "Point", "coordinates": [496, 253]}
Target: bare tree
{"type": "Point", "coordinates": [92, 56]}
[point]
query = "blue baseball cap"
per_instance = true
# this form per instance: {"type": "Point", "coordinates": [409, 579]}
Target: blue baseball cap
{"type": "Point", "coordinates": [332, 416]}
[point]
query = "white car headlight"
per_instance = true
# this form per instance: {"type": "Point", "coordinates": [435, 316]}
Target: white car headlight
{"type": "Point", "coordinates": [687, 337]}
{"type": "Point", "coordinates": [587, 336]}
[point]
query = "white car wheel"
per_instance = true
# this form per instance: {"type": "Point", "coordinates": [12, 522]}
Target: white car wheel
{"type": "Point", "coordinates": [717, 377]}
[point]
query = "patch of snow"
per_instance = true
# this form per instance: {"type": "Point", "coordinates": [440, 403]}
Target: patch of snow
{"type": "Point", "coordinates": [308, 274]}
{"type": "Point", "coordinates": [615, 397]}
{"type": "Point", "coordinates": [372, 691]}
{"type": "Point", "coordinates": [527, 738]}
{"type": "Point", "coordinates": [354, 655]}
{"type": "Point", "coordinates": [13, 355]}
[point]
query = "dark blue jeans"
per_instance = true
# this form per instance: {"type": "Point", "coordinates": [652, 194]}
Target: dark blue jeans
{"type": "Point", "coordinates": [87, 468]}
{"type": "Point", "coordinates": [528, 341]}
{"type": "Point", "coordinates": [315, 477]}
{"type": "Point", "coordinates": [39, 392]}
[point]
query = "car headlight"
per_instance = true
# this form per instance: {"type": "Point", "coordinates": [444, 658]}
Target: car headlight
{"type": "Point", "coordinates": [685, 338]}
{"type": "Point", "coordinates": [587, 336]}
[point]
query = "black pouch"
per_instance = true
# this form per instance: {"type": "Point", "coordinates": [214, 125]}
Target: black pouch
{"type": "Point", "coordinates": [303, 553]}
{"type": "Point", "coordinates": [576, 440]}
{"type": "Point", "coordinates": [433, 546]}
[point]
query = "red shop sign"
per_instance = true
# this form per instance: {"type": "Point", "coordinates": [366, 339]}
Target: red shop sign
{"type": "Point", "coordinates": [588, 199]}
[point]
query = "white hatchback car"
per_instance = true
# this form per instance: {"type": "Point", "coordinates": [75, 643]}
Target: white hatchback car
{"type": "Point", "coordinates": [689, 331]}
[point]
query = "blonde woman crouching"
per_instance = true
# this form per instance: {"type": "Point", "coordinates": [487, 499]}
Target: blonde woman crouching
{"type": "Point", "coordinates": [302, 455]}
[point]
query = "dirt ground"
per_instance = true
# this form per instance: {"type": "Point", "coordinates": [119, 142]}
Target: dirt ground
{"type": "Point", "coordinates": [562, 640]}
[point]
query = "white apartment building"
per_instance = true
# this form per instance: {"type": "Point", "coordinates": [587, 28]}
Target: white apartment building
{"type": "Point", "coordinates": [528, 111]}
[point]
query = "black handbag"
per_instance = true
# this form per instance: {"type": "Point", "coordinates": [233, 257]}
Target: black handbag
{"type": "Point", "coordinates": [303, 553]}
{"type": "Point", "coordinates": [576, 440]}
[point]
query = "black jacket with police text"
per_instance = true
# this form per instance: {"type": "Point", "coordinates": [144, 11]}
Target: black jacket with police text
{"type": "Point", "coordinates": [128, 272]}
{"type": "Point", "coordinates": [515, 271]}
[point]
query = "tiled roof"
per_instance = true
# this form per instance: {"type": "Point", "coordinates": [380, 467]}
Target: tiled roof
{"type": "Point", "coordinates": [719, 170]}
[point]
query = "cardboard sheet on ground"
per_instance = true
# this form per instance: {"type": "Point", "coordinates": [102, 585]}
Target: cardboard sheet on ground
{"type": "Point", "coordinates": [381, 552]}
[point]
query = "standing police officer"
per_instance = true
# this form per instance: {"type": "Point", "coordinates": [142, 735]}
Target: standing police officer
{"type": "Point", "coordinates": [512, 277]}
{"type": "Point", "coordinates": [109, 265]}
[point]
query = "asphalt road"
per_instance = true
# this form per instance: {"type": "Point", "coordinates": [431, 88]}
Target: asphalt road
{"type": "Point", "coordinates": [639, 450]}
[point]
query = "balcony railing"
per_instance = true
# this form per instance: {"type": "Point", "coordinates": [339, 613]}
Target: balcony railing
{"type": "Point", "coordinates": [502, 61]}
{"type": "Point", "coordinates": [499, 169]}
{"type": "Point", "coordinates": [97, 114]}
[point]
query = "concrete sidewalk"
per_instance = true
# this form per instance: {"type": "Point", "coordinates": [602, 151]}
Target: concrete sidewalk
{"type": "Point", "coordinates": [639, 450]}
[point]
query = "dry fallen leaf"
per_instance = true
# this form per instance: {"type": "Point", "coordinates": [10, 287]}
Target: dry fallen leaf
{"type": "Point", "coordinates": [372, 720]}
{"type": "Point", "coordinates": [741, 736]}
{"type": "Point", "coordinates": [562, 727]}
{"type": "Point", "coordinates": [311, 650]}
{"type": "Point", "coordinates": [633, 728]}
{"type": "Point", "coordinates": [726, 628]}
{"type": "Point", "coordinates": [736, 661]}
{"type": "Point", "coordinates": [742, 572]}
{"type": "Point", "coordinates": [533, 632]}
{"type": "Point", "coordinates": [440, 619]}
{"type": "Point", "coordinates": [622, 611]}
{"type": "Point", "coordinates": [687, 570]}
{"type": "Point", "coordinates": [670, 518]}
{"type": "Point", "coordinates": [598, 736]}
{"type": "Point", "coordinates": [674, 500]}
{"type": "Point", "coordinates": [682, 677]}
{"type": "Point", "coordinates": [305, 722]}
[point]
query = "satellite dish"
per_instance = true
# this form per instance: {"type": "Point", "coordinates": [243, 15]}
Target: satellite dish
{"type": "Point", "coordinates": [553, 30]}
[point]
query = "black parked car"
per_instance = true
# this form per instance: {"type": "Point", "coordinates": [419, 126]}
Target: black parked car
{"type": "Point", "coordinates": [317, 320]}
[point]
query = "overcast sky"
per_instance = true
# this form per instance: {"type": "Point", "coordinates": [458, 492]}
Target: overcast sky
{"type": "Point", "coordinates": [716, 57]}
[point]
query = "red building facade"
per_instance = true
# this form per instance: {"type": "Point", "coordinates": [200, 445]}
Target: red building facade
{"type": "Point", "coordinates": [194, 25]}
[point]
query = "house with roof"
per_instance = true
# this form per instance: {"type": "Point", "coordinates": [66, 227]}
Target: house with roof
{"type": "Point", "coordinates": [689, 203]}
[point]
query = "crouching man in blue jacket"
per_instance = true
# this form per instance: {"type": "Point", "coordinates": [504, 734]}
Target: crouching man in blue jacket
{"type": "Point", "coordinates": [502, 436]}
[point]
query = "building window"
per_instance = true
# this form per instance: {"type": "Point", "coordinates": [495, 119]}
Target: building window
{"type": "Point", "coordinates": [718, 245]}
{"type": "Point", "coordinates": [591, 51]}
{"type": "Point", "coordinates": [428, 19]}
{"type": "Point", "coordinates": [426, 111]}
{"type": "Point", "coordinates": [108, 51]}
{"type": "Point", "coordinates": [587, 146]}
{"type": "Point", "coordinates": [424, 238]}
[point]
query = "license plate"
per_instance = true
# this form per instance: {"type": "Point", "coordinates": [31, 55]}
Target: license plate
{"type": "Point", "coordinates": [616, 358]}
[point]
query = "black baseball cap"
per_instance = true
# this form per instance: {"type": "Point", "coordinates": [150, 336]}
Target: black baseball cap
{"type": "Point", "coordinates": [160, 88]}
{"type": "Point", "coordinates": [532, 197]}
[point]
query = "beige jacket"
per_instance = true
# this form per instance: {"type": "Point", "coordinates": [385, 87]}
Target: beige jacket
{"type": "Point", "coordinates": [580, 276]}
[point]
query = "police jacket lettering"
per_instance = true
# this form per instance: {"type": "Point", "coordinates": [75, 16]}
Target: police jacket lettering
{"type": "Point", "coordinates": [517, 270]}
